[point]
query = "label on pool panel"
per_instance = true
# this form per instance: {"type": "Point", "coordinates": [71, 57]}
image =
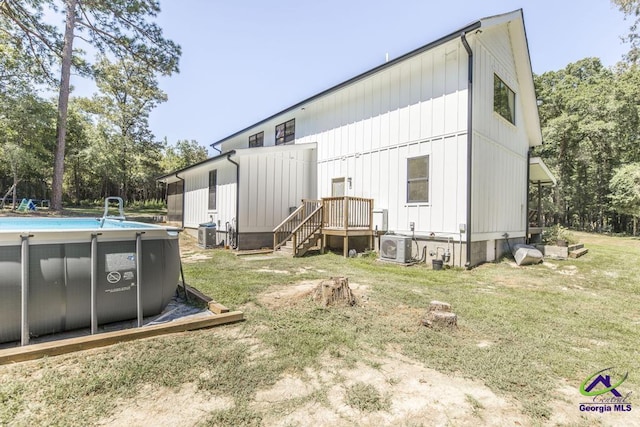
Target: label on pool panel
{"type": "Point", "coordinates": [120, 270]}
{"type": "Point", "coordinates": [120, 262]}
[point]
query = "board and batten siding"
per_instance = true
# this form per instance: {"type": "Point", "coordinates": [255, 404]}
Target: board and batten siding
{"type": "Point", "coordinates": [196, 195]}
{"type": "Point", "coordinates": [368, 130]}
{"type": "Point", "coordinates": [271, 183]}
{"type": "Point", "coordinates": [499, 193]}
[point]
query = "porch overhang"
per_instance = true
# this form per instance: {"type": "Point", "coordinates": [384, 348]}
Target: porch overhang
{"type": "Point", "coordinates": [540, 174]}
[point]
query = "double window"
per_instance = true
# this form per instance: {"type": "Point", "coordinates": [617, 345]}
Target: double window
{"type": "Point", "coordinates": [418, 179]}
{"type": "Point", "coordinates": [286, 132]}
{"type": "Point", "coordinates": [504, 100]}
{"type": "Point", "coordinates": [213, 189]}
{"type": "Point", "coordinates": [256, 140]}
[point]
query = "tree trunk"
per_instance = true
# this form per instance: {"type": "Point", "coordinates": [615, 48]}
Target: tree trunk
{"type": "Point", "coordinates": [14, 193]}
{"type": "Point", "coordinates": [63, 105]}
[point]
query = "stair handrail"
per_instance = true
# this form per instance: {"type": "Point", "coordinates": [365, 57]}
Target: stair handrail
{"type": "Point", "coordinates": [298, 241]}
{"type": "Point", "coordinates": [281, 234]}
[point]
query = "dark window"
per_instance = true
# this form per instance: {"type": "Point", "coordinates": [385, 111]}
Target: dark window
{"type": "Point", "coordinates": [256, 140]}
{"type": "Point", "coordinates": [286, 132]}
{"type": "Point", "coordinates": [213, 188]}
{"type": "Point", "coordinates": [418, 179]}
{"type": "Point", "coordinates": [504, 100]}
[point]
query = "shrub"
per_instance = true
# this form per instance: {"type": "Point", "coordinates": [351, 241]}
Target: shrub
{"type": "Point", "coordinates": [154, 204]}
{"type": "Point", "coordinates": [551, 235]}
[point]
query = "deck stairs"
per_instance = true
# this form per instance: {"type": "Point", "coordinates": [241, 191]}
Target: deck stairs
{"type": "Point", "coordinates": [311, 244]}
{"type": "Point", "coordinates": [301, 231]}
{"type": "Point", "coordinates": [311, 224]}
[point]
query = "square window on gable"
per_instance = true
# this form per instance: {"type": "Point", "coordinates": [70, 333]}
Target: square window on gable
{"type": "Point", "coordinates": [286, 132]}
{"type": "Point", "coordinates": [504, 100]}
{"type": "Point", "coordinates": [256, 140]}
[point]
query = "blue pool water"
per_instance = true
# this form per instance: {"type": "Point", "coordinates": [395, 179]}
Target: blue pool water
{"type": "Point", "coordinates": [31, 224]}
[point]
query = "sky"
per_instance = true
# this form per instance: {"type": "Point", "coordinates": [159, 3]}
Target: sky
{"type": "Point", "coordinates": [245, 60]}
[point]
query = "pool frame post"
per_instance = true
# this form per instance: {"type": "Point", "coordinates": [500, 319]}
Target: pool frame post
{"type": "Point", "coordinates": [139, 276]}
{"type": "Point", "coordinates": [24, 337]}
{"type": "Point", "coordinates": [94, 283]}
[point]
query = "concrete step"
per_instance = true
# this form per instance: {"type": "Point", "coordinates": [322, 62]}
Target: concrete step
{"type": "Point", "coordinates": [287, 249]}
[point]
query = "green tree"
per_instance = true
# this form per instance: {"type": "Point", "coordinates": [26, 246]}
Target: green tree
{"type": "Point", "coordinates": [128, 93]}
{"type": "Point", "coordinates": [121, 28]}
{"type": "Point", "coordinates": [625, 192]}
{"type": "Point", "coordinates": [27, 126]}
{"type": "Point", "coordinates": [20, 162]}
{"type": "Point", "coordinates": [578, 123]}
{"type": "Point", "coordinates": [631, 9]}
{"type": "Point", "coordinates": [183, 154]}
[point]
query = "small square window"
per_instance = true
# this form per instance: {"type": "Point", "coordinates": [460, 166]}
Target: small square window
{"type": "Point", "coordinates": [286, 132]}
{"type": "Point", "coordinates": [504, 100]}
{"type": "Point", "coordinates": [256, 140]}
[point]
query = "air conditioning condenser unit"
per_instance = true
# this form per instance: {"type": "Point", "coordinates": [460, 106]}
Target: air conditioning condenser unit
{"type": "Point", "coordinates": [395, 248]}
{"type": "Point", "coordinates": [206, 236]}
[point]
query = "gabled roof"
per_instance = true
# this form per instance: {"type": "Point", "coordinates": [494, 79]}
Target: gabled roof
{"type": "Point", "coordinates": [522, 59]}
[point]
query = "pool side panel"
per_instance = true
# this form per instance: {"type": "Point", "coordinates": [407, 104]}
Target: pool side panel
{"type": "Point", "coordinates": [60, 279]}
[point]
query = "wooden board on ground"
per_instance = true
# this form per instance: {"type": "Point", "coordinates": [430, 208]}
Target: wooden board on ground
{"type": "Point", "coordinates": [54, 348]}
{"type": "Point", "coordinates": [578, 253]}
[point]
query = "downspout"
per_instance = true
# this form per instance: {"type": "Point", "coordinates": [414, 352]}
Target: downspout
{"type": "Point", "coordinates": [463, 38]}
{"type": "Point", "coordinates": [182, 179]}
{"type": "Point", "coordinates": [216, 148]}
{"type": "Point", "coordinates": [237, 197]}
{"type": "Point", "coordinates": [526, 209]}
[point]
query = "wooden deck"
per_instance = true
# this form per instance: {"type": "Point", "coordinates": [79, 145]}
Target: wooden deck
{"type": "Point", "coordinates": [317, 219]}
{"type": "Point", "coordinates": [347, 217]}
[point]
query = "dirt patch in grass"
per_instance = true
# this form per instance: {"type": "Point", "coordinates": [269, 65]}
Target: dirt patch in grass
{"type": "Point", "coordinates": [167, 407]}
{"type": "Point", "coordinates": [393, 390]}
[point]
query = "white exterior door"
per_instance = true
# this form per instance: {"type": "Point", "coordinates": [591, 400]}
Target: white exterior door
{"type": "Point", "coordinates": [337, 187]}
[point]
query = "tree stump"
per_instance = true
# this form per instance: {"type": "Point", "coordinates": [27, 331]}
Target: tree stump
{"type": "Point", "coordinates": [335, 291]}
{"type": "Point", "coordinates": [439, 306]}
{"type": "Point", "coordinates": [439, 315]}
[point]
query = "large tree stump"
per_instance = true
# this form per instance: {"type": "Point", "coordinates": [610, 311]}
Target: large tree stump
{"type": "Point", "coordinates": [439, 315]}
{"type": "Point", "coordinates": [439, 306]}
{"type": "Point", "coordinates": [335, 291]}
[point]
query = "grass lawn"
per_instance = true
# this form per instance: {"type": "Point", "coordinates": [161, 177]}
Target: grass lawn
{"type": "Point", "coordinates": [526, 338]}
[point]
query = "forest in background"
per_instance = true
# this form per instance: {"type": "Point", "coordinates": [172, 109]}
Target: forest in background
{"type": "Point", "coordinates": [590, 116]}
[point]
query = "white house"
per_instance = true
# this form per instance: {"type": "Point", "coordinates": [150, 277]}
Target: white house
{"type": "Point", "coordinates": [438, 140]}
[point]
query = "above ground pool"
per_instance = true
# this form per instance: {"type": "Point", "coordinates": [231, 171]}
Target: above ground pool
{"type": "Point", "coordinates": [60, 274]}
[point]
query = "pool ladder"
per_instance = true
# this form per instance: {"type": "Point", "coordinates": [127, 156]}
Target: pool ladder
{"type": "Point", "coordinates": [106, 215]}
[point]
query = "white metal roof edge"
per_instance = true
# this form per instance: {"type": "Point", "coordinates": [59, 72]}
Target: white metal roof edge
{"type": "Point", "coordinates": [538, 162]}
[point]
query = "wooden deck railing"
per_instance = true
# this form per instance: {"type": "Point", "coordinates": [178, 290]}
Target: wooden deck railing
{"type": "Point", "coordinates": [282, 233]}
{"type": "Point", "coordinates": [347, 213]}
{"type": "Point", "coordinates": [338, 214]}
{"type": "Point", "coordinates": [306, 229]}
